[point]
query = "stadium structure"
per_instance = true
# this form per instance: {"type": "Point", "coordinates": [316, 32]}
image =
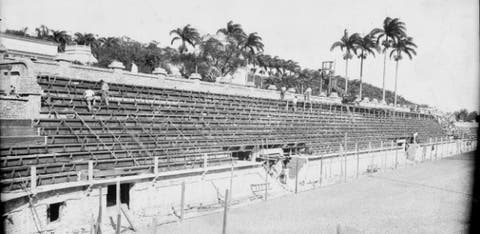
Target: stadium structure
{"type": "Point", "coordinates": [165, 148]}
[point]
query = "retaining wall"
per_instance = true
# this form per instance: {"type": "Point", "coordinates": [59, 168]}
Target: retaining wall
{"type": "Point", "coordinates": [343, 166]}
{"type": "Point", "coordinates": [150, 202]}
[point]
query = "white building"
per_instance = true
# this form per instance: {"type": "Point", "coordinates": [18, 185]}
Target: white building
{"type": "Point", "coordinates": [26, 47]}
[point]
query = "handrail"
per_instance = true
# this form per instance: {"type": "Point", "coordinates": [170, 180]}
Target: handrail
{"type": "Point", "coordinates": [93, 133]}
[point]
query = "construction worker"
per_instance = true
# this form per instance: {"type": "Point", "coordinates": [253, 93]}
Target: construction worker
{"type": "Point", "coordinates": [307, 94]}
{"type": "Point", "coordinates": [89, 98]}
{"type": "Point", "coordinates": [104, 91]}
{"type": "Point", "coordinates": [283, 90]}
{"type": "Point", "coordinates": [294, 103]}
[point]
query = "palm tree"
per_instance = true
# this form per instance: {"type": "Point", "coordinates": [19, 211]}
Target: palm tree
{"type": "Point", "coordinates": [187, 35]}
{"type": "Point", "coordinates": [43, 32]}
{"type": "Point", "coordinates": [109, 41]}
{"type": "Point", "coordinates": [406, 46]}
{"type": "Point", "coordinates": [366, 45]}
{"type": "Point", "coordinates": [62, 38]}
{"type": "Point", "coordinates": [85, 39]}
{"type": "Point", "coordinates": [347, 44]}
{"type": "Point", "coordinates": [264, 61]}
{"type": "Point", "coordinates": [392, 30]}
{"type": "Point", "coordinates": [252, 43]}
{"type": "Point", "coordinates": [233, 31]}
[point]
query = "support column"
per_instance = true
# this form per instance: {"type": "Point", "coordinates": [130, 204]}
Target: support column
{"type": "Point", "coordinates": [119, 215]}
{"type": "Point", "coordinates": [33, 179]}
{"type": "Point", "coordinates": [358, 159]}
{"type": "Point", "coordinates": [90, 171]}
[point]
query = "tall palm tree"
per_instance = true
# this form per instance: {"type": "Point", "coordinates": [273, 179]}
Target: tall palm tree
{"type": "Point", "coordinates": [392, 30]}
{"type": "Point", "coordinates": [62, 38]}
{"type": "Point", "coordinates": [366, 45]}
{"type": "Point", "coordinates": [406, 46]}
{"type": "Point", "coordinates": [233, 31]}
{"type": "Point", "coordinates": [347, 44]}
{"type": "Point", "coordinates": [187, 35]}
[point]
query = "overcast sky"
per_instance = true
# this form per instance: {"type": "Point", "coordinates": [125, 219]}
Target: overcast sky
{"type": "Point", "coordinates": [445, 72]}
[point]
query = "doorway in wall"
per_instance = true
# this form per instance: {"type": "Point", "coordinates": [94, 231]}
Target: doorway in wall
{"type": "Point", "coordinates": [124, 194]}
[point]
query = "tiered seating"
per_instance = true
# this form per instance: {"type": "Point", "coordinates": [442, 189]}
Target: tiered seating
{"type": "Point", "coordinates": [182, 128]}
{"type": "Point", "coordinates": [469, 132]}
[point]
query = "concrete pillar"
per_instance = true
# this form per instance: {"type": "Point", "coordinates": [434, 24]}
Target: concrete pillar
{"type": "Point", "coordinates": [182, 201]}
{"type": "Point", "coordinates": [155, 165]}
{"type": "Point", "coordinates": [90, 171]}
{"type": "Point", "coordinates": [119, 212]}
{"type": "Point", "coordinates": [33, 179]}
{"type": "Point", "coordinates": [358, 159]}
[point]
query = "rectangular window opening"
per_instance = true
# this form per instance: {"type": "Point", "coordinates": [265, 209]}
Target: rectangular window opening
{"type": "Point", "coordinates": [54, 210]}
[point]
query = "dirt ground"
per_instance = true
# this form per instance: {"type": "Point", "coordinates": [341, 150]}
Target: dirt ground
{"type": "Point", "coordinates": [431, 197]}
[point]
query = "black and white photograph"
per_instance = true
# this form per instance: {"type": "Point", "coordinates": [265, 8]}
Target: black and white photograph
{"type": "Point", "coordinates": [239, 116]}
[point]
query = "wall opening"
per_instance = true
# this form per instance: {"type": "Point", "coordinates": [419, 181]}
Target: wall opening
{"type": "Point", "coordinates": [124, 194]}
{"type": "Point", "coordinates": [242, 155]}
{"type": "Point", "coordinates": [54, 210]}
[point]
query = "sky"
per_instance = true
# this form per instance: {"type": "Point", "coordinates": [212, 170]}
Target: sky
{"type": "Point", "coordinates": [444, 74]}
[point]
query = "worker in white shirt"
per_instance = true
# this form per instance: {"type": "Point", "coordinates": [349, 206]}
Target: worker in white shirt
{"type": "Point", "coordinates": [89, 98]}
{"type": "Point", "coordinates": [283, 90]}
{"type": "Point", "coordinates": [104, 91]}
{"type": "Point", "coordinates": [307, 94]}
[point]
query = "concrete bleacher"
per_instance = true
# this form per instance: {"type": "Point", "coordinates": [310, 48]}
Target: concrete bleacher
{"type": "Point", "coordinates": [184, 129]}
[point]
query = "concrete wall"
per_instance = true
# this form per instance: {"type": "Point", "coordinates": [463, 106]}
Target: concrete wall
{"type": "Point", "coordinates": [148, 200]}
{"type": "Point", "coordinates": [79, 209]}
{"type": "Point", "coordinates": [27, 107]}
{"type": "Point", "coordinates": [159, 200]}
{"type": "Point", "coordinates": [160, 81]}
{"type": "Point", "coordinates": [337, 168]}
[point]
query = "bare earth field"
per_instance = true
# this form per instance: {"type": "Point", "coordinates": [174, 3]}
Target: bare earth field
{"type": "Point", "coordinates": [431, 197]}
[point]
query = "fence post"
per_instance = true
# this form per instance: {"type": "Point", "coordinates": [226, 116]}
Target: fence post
{"type": "Point", "coordinates": [340, 159]}
{"type": "Point", "coordinates": [321, 171]}
{"type": "Point", "coordinates": [155, 164]}
{"type": "Point", "coordinates": [345, 156]}
{"type": "Point", "coordinates": [430, 146]}
{"type": "Point", "coordinates": [225, 211]}
{"type": "Point", "coordinates": [33, 179]}
{"type": "Point", "coordinates": [358, 159]}
{"type": "Point", "coordinates": [119, 217]}
{"type": "Point", "coordinates": [182, 201]}
{"type": "Point", "coordinates": [231, 178]}
{"type": "Point", "coordinates": [370, 151]}
{"type": "Point", "coordinates": [396, 155]}
{"type": "Point", "coordinates": [266, 178]}
{"type": "Point", "coordinates": [98, 227]}
{"type": "Point", "coordinates": [384, 156]}
{"type": "Point", "coordinates": [90, 171]}
{"type": "Point", "coordinates": [296, 175]}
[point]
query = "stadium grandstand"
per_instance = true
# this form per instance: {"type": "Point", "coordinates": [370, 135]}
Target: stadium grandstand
{"type": "Point", "coordinates": [159, 136]}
